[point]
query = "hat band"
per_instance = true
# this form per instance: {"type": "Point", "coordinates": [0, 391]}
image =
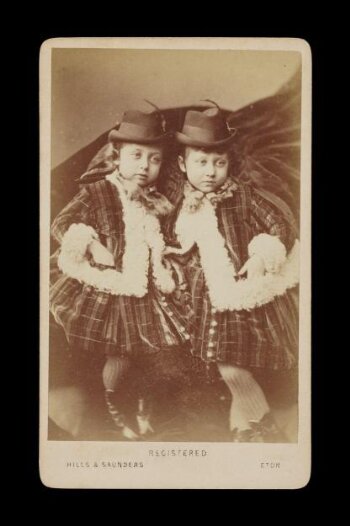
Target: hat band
{"type": "Point", "coordinates": [201, 134]}
{"type": "Point", "coordinates": [135, 130]}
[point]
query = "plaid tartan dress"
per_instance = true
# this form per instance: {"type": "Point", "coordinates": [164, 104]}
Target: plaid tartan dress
{"type": "Point", "coordinates": [262, 337]}
{"type": "Point", "coordinates": [96, 320]}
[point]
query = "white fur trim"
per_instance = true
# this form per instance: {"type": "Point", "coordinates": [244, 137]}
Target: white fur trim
{"type": "Point", "coordinates": [76, 240]}
{"type": "Point", "coordinates": [153, 238]}
{"type": "Point", "coordinates": [270, 249]}
{"type": "Point", "coordinates": [225, 292]}
{"type": "Point", "coordinates": [142, 238]}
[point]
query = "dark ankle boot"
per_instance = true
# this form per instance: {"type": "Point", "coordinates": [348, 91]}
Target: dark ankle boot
{"type": "Point", "coordinates": [117, 417]}
{"type": "Point", "coordinates": [246, 435]}
{"type": "Point", "coordinates": [268, 429]}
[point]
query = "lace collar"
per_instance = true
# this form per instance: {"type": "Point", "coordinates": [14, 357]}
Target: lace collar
{"type": "Point", "coordinates": [152, 200]}
{"type": "Point", "coordinates": [194, 199]}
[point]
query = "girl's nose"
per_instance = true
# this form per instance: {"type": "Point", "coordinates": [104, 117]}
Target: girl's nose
{"type": "Point", "coordinates": [210, 170]}
{"type": "Point", "coordinates": [144, 163]}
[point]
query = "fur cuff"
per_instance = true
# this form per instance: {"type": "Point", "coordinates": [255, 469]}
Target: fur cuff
{"type": "Point", "coordinates": [109, 280]}
{"type": "Point", "coordinates": [220, 276]}
{"type": "Point", "coordinates": [76, 241]}
{"type": "Point", "coordinates": [270, 249]}
{"type": "Point", "coordinates": [142, 239]}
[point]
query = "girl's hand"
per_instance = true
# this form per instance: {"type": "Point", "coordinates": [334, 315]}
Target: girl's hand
{"type": "Point", "coordinates": [254, 267]}
{"type": "Point", "coordinates": [101, 255]}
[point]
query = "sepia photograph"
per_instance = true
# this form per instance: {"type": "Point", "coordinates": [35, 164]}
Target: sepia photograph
{"type": "Point", "coordinates": [175, 257]}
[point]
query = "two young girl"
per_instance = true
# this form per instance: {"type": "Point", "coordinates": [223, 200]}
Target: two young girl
{"type": "Point", "coordinates": [115, 278]}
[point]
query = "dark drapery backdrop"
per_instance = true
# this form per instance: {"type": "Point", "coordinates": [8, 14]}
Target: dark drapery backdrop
{"type": "Point", "coordinates": [266, 151]}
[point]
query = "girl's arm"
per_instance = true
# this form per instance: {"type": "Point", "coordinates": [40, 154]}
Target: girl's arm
{"type": "Point", "coordinates": [74, 230]}
{"type": "Point", "coordinates": [277, 235]}
{"type": "Point", "coordinates": [78, 211]}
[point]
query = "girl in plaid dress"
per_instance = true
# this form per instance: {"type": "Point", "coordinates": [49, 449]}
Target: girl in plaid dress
{"type": "Point", "coordinates": [110, 287]}
{"type": "Point", "coordinates": [240, 260]}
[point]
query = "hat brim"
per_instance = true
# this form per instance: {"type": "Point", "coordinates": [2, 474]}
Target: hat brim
{"type": "Point", "coordinates": [115, 135]}
{"type": "Point", "coordinates": [188, 141]}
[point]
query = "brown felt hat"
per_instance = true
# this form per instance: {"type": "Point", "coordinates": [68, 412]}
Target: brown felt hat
{"type": "Point", "coordinates": [139, 127]}
{"type": "Point", "coordinates": [206, 128]}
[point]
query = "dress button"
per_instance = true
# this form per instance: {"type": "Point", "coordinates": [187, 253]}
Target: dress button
{"type": "Point", "coordinates": [171, 313]}
{"type": "Point", "coordinates": [182, 329]}
{"type": "Point", "coordinates": [211, 344]}
{"type": "Point", "coordinates": [211, 331]}
{"type": "Point", "coordinates": [163, 298]}
{"type": "Point", "coordinates": [165, 304]}
{"type": "Point", "coordinates": [213, 323]}
{"type": "Point", "coordinates": [187, 336]}
{"type": "Point", "coordinates": [210, 354]}
{"type": "Point", "coordinates": [213, 311]}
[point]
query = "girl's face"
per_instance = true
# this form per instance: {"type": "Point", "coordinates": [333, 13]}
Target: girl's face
{"type": "Point", "coordinates": [140, 163]}
{"type": "Point", "coordinates": [206, 171]}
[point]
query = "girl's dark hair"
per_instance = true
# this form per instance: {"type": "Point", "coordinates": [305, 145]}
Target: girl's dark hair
{"type": "Point", "coordinates": [117, 145]}
{"type": "Point", "coordinates": [217, 149]}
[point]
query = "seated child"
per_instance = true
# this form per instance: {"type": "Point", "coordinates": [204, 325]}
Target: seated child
{"type": "Point", "coordinates": [110, 285]}
{"type": "Point", "coordinates": [241, 263]}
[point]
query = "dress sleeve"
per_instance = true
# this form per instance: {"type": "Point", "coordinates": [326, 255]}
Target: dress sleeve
{"type": "Point", "coordinates": [78, 211]}
{"type": "Point", "coordinates": [277, 235]}
{"type": "Point", "coordinates": [74, 229]}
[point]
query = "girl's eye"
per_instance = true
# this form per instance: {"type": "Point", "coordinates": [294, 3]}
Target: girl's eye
{"type": "Point", "coordinates": [156, 160]}
{"type": "Point", "coordinates": [136, 155]}
{"type": "Point", "coordinates": [203, 162]}
{"type": "Point", "coordinates": [221, 163]}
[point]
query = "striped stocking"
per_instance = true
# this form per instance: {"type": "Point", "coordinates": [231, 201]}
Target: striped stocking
{"type": "Point", "coordinates": [248, 399]}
